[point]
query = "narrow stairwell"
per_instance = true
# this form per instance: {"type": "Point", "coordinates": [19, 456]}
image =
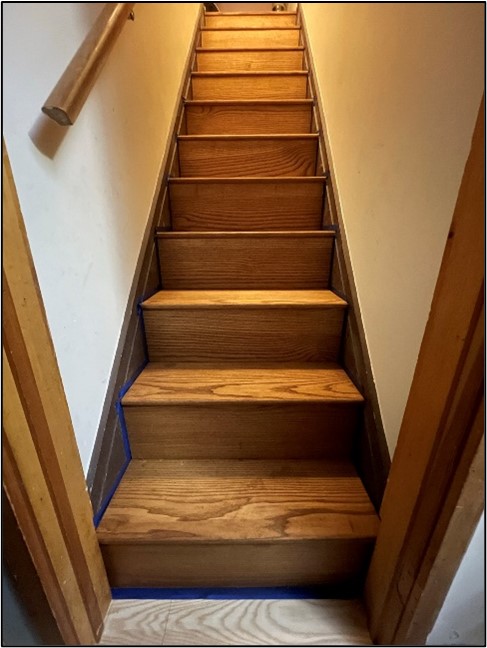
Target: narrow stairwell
{"type": "Point", "coordinates": [243, 424]}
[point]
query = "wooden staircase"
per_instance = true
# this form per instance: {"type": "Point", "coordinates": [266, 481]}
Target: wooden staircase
{"type": "Point", "coordinates": [243, 425]}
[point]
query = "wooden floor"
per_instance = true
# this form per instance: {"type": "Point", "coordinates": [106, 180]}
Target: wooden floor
{"type": "Point", "coordinates": [236, 623]}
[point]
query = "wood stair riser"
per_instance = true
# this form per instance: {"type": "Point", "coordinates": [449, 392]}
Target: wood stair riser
{"type": "Point", "coordinates": [236, 430]}
{"type": "Point", "coordinates": [251, 119]}
{"type": "Point", "coordinates": [249, 60]}
{"type": "Point", "coordinates": [239, 564]}
{"type": "Point", "coordinates": [244, 206]}
{"type": "Point", "coordinates": [227, 156]}
{"type": "Point", "coordinates": [289, 334]}
{"type": "Point", "coordinates": [214, 86]}
{"type": "Point", "coordinates": [244, 262]}
{"type": "Point", "coordinates": [275, 19]}
{"type": "Point", "coordinates": [238, 38]}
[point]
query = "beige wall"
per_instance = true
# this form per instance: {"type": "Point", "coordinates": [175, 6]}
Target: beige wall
{"type": "Point", "coordinates": [401, 85]}
{"type": "Point", "coordinates": [87, 203]}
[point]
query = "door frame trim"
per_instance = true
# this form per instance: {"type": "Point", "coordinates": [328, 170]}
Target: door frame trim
{"type": "Point", "coordinates": [42, 473]}
{"type": "Point", "coordinates": [433, 488]}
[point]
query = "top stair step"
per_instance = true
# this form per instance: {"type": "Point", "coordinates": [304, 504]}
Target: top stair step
{"type": "Point", "coordinates": [268, 19]}
{"type": "Point", "coordinates": [229, 38]}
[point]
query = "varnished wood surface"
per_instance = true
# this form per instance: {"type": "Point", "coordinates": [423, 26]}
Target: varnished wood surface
{"type": "Point", "coordinates": [297, 622]}
{"type": "Point", "coordinates": [249, 85]}
{"type": "Point", "coordinates": [159, 384]}
{"type": "Point", "coordinates": [247, 155]}
{"type": "Point", "coordinates": [241, 19]}
{"type": "Point", "coordinates": [247, 117]}
{"type": "Point", "coordinates": [248, 299]}
{"type": "Point", "coordinates": [229, 38]}
{"type": "Point", "coordinates": [237, 204]}
{"type": "Point", "coordinates": [247, 60]}
{"type": "Point", "coordinates": [251, 429]}
{"type": "Point", "coordinates": [68, 96]}
{"type": "Point", "coordinates": [241, 412]}
{"type": "Point", "coordinates": [285, 334]}
{"type": "Point", "coordinates": [219, 501]}
{"type": "Point", "coordinates": [245, 260]}
{"type": "Point", "coordinates": [340, 562]}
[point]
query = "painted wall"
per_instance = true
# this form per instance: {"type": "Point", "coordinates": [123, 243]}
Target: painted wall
{"type": "Point", "coordinates": [401, 85]}
{"type": "Point", "coordinates": [461, 621]}
{"type": "Point", "coordinates": [86, 191]}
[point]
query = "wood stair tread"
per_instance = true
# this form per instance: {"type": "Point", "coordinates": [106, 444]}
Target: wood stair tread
{"type": "Point", "coordinates": [320, 234]}
{"type": "Point", "coordinates": [249, 180]}
{"type": "Point", "coordinates": [248, 102]}
{"type": "Point", "coordinates": [193, 383]}
{"type": "Point", "coordinates": [259, 137]}
{"type": "Point", "coordinates": [252, 28]}
{"type": "Point", "coordinates": [210, 299]}
{"type": "Point", "coordinates": [271, 48]}
{"type": "Point", "coordinates": [251, 13]}
{"type": "Point", "coordinates": [250, 74]}
{"type": "Point", "coordinates": [198, 501]}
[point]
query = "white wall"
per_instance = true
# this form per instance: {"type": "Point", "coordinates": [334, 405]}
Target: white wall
{"type": "Point", "coordinates": [401, 85]}
{"type": "Point", "coordinates": [86, 204]}
{"type": "Point", "coordinates": [461, 621]}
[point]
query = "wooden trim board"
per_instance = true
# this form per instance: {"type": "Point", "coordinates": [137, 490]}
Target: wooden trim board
{"type": "Point", "coordinates": [108, 455]}
{"type": "Point", "coordinates": [372, 460]}
{"type": "Point", "coordinates": [442, 429]}
{"type": "Point", "coordinates": [43, 477]}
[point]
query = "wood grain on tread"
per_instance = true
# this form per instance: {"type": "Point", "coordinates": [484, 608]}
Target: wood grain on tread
{"type": "Point", "coordinates": [253, 37]}
{"type": "Point", "coordinates": [245, 60]}
{"type": "Point", "coordinates": [285, 622]}
{"type": "Point", "coordinates": [159, 384]}
{"type": "Point", "coordinates": [247, 299]}
{"type": "Point", "coordinates": [238, 204]}
{"type": "Point", "coordinates": [221, 501]}
{"type": "Point", "coordinates": [245, 260]}
{"type": "Point", "coordinates": [247, 155]}
{"type": "Point", "coordinates": [236, 20]}
{"type": "Point", "coordinates": [247, 117]}
{"type": "Point", "coordinates": [249, 85]}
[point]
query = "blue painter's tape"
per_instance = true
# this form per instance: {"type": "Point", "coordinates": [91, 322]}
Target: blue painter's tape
{"type": "Point", "coordinates": [221, 593]}
{"type": "Point", "coordinates": [104, 505]}
{"type": "Point", "coordinates": [123, 426]}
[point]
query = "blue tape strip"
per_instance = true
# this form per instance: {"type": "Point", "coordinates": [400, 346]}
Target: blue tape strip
{"type": "Point", "coordinates": [219, 593]}
{"type": "Point", "coordinates": [123, 426]}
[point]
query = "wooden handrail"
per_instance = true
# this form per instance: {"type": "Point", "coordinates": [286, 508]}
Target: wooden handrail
{"type": "Point", "coordinates": [66, 100]}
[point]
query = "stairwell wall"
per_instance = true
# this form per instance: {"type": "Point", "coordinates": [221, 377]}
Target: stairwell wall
{"type": "Point", "coordinates": [86, 191]}
{"type": "Point", "coordinates": [400, 86]}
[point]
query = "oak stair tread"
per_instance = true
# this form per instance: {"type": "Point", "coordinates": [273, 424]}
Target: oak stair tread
{"type": "Point", "coordinates": [249, 180]}
{"type": "Point", "coordinates": [198, 501]}
{"type": "Point", "coordinates": [210, 299]}
{"type": "Point", "coordinates": [252, 28]}
{"type": "Point", "coordinates": [247, 235]}
{"type": "Point", "coordinates": [191, 383]}
{"type": "Point", "coordinates": [251, 13]}
{"type": "Point", "coordinates": [257, 48]}
{"type": "Point", "coordinates": [248, 102]}
{"type": "Point", "coordinates": [258, 137]}
{"type": "Point", "coordinates": [250, 73]}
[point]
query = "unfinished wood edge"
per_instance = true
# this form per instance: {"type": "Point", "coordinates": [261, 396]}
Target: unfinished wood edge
{"type": "Point", "coordinates": [117, 375]}
{"type": "Point", "coordinates": [362, 356]}
{"type": "Point", "coordinates": [428, 597]}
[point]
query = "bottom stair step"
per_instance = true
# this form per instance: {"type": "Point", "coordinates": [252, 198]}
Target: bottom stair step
{"type": "Point", "coordinates": [237, 523]}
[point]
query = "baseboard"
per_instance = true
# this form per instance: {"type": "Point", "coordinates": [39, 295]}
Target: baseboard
{"type": "Point", "coordinates": [372, 455]}
{"type": "Point", "coordinates": [109, 455]}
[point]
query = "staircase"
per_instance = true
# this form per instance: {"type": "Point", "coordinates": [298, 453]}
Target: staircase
{"type": "Point", "coordinates": [242, 425]}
